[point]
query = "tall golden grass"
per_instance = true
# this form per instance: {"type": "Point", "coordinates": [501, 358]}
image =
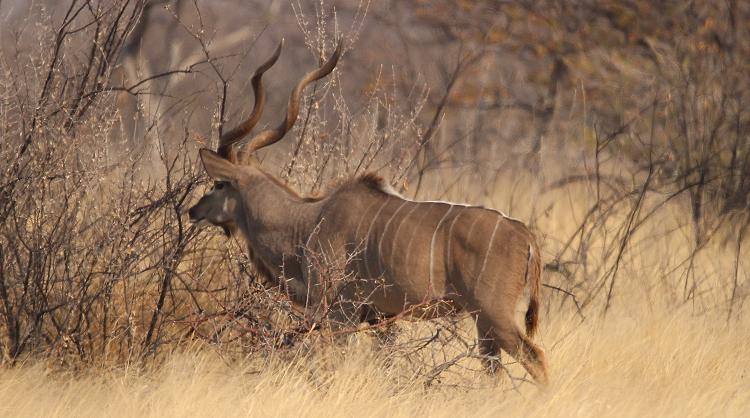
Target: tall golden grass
{"type": "Point", "coordinates": [661, 364]}
{"type": "Point", "coordinates": [649, 356]}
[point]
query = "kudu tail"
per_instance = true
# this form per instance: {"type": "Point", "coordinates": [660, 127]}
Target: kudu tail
{"type": "Point", "coordinates": [533, 278]}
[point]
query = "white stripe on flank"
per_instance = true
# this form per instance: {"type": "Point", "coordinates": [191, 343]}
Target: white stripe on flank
{"type": "Point", "coordinates": [432, 248]}
{"type": "Point", "coordinates": [362, 219]}
{"type": "Point", "coordinates": [471, 229]}
{"type": "Point", "coordinates": [398, 228]}
{"type": "Point", "coordinates": [382, 237]}
{"type": "Point", "coordinates": [489, 248]}
{"type": "Point", "coordinates": [357, 242]}
{"type": "Point", "coordinates": [367, 237]}
{"type": "Point", "coordinates": [411, 237]}
{"type": "Point", "coordinates": [450, 238]}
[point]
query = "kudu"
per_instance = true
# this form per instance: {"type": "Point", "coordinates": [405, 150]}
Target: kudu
{"type": "Point", "coordinates": [408, 258]}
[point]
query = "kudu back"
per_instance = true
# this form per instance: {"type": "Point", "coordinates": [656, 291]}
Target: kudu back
{"type": "Point", "coordinates": [399, 257]}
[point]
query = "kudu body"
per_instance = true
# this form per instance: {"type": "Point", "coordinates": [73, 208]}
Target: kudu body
{"type": "Point", "coordinates": [402, 257]}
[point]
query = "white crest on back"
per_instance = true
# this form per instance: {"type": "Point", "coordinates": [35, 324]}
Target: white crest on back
{"type": "Point", "coordinates": [383, 186]}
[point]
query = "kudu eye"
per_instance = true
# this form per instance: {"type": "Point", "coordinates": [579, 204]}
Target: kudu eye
{"type": "Point", "coordinates": [219, 185]}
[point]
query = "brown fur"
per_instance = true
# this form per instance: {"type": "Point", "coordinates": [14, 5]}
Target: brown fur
{"type": "Point", "coordinates": [369, 180]}
{"type": "Point", "coordinates": [372, 181]}
{"type": "Point", "coordinates": [431, 259]}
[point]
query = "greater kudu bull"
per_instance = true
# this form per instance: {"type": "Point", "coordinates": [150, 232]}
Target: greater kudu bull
{"type": "Point", "coordinates": [421, 258]}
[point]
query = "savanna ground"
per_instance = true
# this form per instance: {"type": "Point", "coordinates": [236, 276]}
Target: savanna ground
{"type": "Point", "coordinates": [617, 131]}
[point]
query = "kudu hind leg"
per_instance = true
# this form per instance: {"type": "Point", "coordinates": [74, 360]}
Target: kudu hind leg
{"type": "Point", "coordinates": [513, 341]}
{"type": "Point", "coordinates": [517, 344]}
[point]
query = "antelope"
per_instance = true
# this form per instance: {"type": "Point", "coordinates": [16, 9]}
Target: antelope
{"type": "Point", "coordinates": [421, 259]}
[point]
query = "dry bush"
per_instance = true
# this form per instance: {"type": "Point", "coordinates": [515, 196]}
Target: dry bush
{"type": "Point", "coordinates": [98, 263]}
{"type": "Point", "coordinates": [93, 247]}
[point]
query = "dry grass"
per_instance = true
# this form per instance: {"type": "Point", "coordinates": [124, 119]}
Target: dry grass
{"type": "Point", "coordinates": [650, 356]}
{"type": "Point", "coordinates": [662, 364]}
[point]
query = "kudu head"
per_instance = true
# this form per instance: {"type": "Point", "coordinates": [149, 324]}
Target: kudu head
{"type": "Point", "coordinates": [232, 166]}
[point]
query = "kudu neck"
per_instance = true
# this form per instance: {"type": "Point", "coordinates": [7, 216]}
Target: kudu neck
{"type": "Point", "coordinates": [275, 221]}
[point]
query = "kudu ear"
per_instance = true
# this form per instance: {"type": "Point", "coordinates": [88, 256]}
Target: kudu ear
{"type": "Point", "coordinates": [217, 167]}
